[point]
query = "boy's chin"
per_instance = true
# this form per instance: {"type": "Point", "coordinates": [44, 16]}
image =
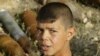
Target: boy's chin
{"type": "Point", "coordinates": [48, 53]}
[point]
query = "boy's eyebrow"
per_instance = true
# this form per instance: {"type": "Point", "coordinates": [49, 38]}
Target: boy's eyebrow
{"type": "Point", "coordinates": [41, 28]}
{"type": "Point", "coordinates": [50, 28]}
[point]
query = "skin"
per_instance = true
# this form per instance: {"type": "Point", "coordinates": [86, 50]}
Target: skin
{"type": "Point", "coordinates": [53, 39]}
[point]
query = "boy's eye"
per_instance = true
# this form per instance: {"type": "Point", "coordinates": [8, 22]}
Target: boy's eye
{"type": "Point", "coordinates": [52, 31]}
{"type": "Point", "coordinates": [40, 30]}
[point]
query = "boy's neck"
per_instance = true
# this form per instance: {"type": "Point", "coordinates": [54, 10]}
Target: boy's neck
{"type": "Point", "coordinates": [65, 51]}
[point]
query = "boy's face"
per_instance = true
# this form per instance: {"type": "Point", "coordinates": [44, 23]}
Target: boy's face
{"type": "Point", "coordinates": [52, 37]}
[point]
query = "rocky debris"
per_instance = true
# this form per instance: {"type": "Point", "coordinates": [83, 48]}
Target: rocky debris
{"type": "Point", "coordinates": [17, 6]}
{"type": "Point", "coordinates": [11, 5]}
{"type": "Point", "coordinates": [87, 33]}
{"type": "Point", "coordinates": [93, 3]}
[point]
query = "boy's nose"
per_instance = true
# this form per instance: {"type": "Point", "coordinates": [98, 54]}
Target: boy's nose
{"type": "Point", "coordinates": [45, 35]}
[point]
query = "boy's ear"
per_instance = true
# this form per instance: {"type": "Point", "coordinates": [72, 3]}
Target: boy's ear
{"type": "Point", "coordinates": [70, 33]}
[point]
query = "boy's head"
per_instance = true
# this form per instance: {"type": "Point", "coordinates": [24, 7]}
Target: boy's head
{"type": "Point", "coordinates": [55, 28]}
{"type": "Point", "coordinates": [53, 11]}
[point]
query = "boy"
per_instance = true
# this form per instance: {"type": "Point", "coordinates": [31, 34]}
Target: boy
{"type": "Point", "coordinates": [55, 29]}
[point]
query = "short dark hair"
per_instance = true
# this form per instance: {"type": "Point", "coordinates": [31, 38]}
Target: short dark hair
{"type": "Point", "coordinates": [52, 11]}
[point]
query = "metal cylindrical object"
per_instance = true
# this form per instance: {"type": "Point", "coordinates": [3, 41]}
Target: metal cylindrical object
{"type": "Point", "coordinates": [10, 24]}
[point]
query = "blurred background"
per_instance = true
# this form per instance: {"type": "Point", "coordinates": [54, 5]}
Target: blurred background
{"type": "Point", "coordinates": [87, 22]}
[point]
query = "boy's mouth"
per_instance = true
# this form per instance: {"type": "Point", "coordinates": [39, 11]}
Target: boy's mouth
{"type": "Point", "coordinates": [45, 47]}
